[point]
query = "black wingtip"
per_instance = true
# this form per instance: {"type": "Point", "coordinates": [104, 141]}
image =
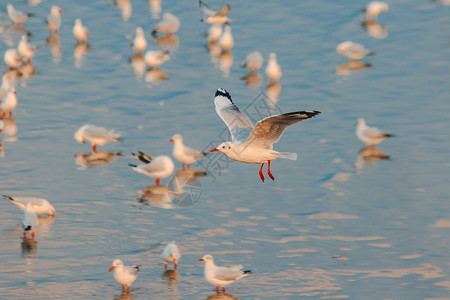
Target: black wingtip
{"type": "Point", "coordinates": [131, 165]}
{"type": "Point", "coordinates": [224, 93]}
{"type": "Point", "coordinates": [247, 272]}
{"type": "Point", "coordinates": [8, 198]}
{"type": "Point", "coordinates": [389, 135]}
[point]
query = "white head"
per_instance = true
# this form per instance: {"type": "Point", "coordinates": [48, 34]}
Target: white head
{"type": "Point", "coordinates": [176, 137]}
{"type": "Point", "coordinates": [117, 263]}
{"type": "Point", "coordinates": [9, 8]}
{"type": "Point", "coordinates": [79, 135]}
{"type": "Point", "coordinates": [139, 31]}
{"type": "Point", "coordinates": [55, 10]}
{"type": "Point", "coordinates": [12, 92]}
{"type": "Point", "coordinates": [343, 47]}
{"type": "Point", "coordinates": [361, 122]}
{"type": "Point", "coordinates": [23, 38]}
{"type": "Point", "coordinates": [225, 147]}
{"type": "Point", "coordinates": [272, 56]}
{"type": "Point", "coordinates": [207, 258]}
{"type": "Point", "coordinates": [78, 22]}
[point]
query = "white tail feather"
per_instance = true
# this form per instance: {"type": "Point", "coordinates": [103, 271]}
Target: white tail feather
{"type": "Point", "coordinates": [288, 155]}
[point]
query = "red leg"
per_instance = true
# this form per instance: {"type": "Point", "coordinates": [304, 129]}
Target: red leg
{"type": "Point", "coordinates": [165, 267]}
{"type": "Point", "coordinates": [268, 171]}
{"type": "Point", "coordinates": [175, 266]}
{"type": "Point", "coordinates": [128, 289]}
{"type": "Point", "coordinates": [32, 235]}
{"type": "Point", "coordinates": [157, 181]}
{"type": "Point", "coordinates": [260, 172]}
{"type": "Point", "coordinates": [94, 148]}
{"type": "Point", "coordinates": [223, 289]}
{"type": "Point", "coordinates": [217, 289]}
{"type": "Point", "coordinates": [182, 165]}
{"type": "Point", "coordinates": [123, 288]}
{"type": "Point", "coordinates": [56, 31]}
{"type": "Point", "coordinates": [49, 31]}
{"type": "Point", "coordinates": [188, 166]}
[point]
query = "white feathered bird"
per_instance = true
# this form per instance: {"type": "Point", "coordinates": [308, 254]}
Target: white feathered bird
{"type": "Point", "coordinates": [184, 153]}
{"type": "Point", "coordinates": [370, 135]}
{"type": "Point", "coordinates": [96, 136]}
{"type": "Point", "coordinates": [158, 167]}
{"type": "Point", "coordinates": [171, 255]}
{"type": "Point", "coordinates": [29, 220]}
{"type": "Point", "coordinates": [124, 275]}
{"type": "Point", "coordinates": [38, 205]}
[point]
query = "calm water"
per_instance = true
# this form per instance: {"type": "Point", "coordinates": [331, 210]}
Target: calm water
{"type": "Point", "coordinates": [333, 225]}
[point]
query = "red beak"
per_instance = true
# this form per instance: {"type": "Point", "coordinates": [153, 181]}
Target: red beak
{"type": "Point", "coordinates": [214, 150]}
{"type": "Point", "coordinates": [171, 141]}
{"type": "Point", "coordinates": [201, 259]}
{"type": "Point", "coordinates": [84, 142]}
{"type": "Point", "coordinates": [60, 11]}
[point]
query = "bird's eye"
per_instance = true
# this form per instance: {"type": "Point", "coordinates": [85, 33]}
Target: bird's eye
{"type": "Point", "coordinates": [223, 147]}
{"type": "Point", "coordinates": [229, 147]}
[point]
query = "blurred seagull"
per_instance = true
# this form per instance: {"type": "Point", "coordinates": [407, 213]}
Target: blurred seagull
{"type": "Point", "coordinates": [273, 69]}
{"type": "Point", "coordinates": [38, 205]}
{"type": "Point", "coordinates": [171, 254]}
{"type": "Point", "coordinates": [253, 62]}
{"type": "Point", "coordinates": [212, 16]}
{"type": "Point", "coordinates": [54, 19]}
{"type": "Point", "coordinates": [139, 43]}
{"type": "Point", "coordinates": [80, 32]}
{"type": "Point", "coordinates": [214, 33]}
{"type": "Point", "coordinates": [374, 8]}
{"type": "Point", "coordinates": [96, 136]}
{"type": "Point", "coordinates": [16, 15]}
{"type": "Point", "coordinates": [226, 41]}
{"type": "Point", "coordinates": [124, 275]}
{"type": "Point", "coordinates": [353, 50]}
{"type": "Point", "coordinates": [250, 144]}
{"type": "Point", "coordinates": [9, 103]}
{"type": "Point", "coordinates": [12, 59]}
{"type": "Point", "coordinates": [29, 220]}
{"type": "Point", "coordinates": [184, 153]}
{"type": "Point", "coordinates": [158, 167]}
{"type": "Point", "coordinates": [26, 50]}
{"type": "Point", "coordinates": [370, 135]}
{"type": "Point", "coordinates": [222, 276]}
{"type": "Point", "coordinates": [169, 24]}
{"type": "Point", "coordinates": [155, 58]}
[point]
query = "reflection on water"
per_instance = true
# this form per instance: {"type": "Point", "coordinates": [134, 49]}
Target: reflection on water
{"type": "Point", "coordinates": [368, 157]}
{"type": "Point", "coordinates": [185, 177]}
{"type": "Point", "coordinates": [221, 297]}
{"type": "Point", "coordinates": [155, 8]}
{"type": "Point", "coordinates": [351, 66]}
{"type": "Point", "coordinates": [273, 91]}
{"type": "Point", "coordinates": [13, 33]}
{"type": "Point", "coordinates": [94, 159]}
{"type": "Point", "coordinates": [138, 64]}
{"type": "Point", "coordinates": [124, 297]}
{"type": "Point", "coordinates": [29, 247]}
{"type": "Point", "coordinates": [155, 76]}
{"type": "Point", "coordinates": [9, 130]}
{"type": "Point", "coordinates": [225, 62]}
{"type": "Point", "coordinates": [252, 80]}
{"type": "Point", "coordinates": [27, 70]}
{"type": "Point", "coordinates": [168, 42]}
{"type": "Point", "coordinates": [157, 196]}
{"type": "Point", "coordinates": [375, 30]}
{"type": "Point", "coordinates": [79, 51]}
{"type": "Point", "coordinates": [53, 42]}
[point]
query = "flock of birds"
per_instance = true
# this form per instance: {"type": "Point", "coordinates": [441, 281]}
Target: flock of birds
{"type": "Point", "coordinates": [250, 143]}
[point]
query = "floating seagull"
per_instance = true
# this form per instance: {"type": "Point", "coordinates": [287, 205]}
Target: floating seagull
{"type": "Point", "coordinates": [158, 167]}
{"type": "Point", "coordinates": [16, 15]}
{"type": "Point", "coordinates": [155, 58]}
{"type": "Point", "coordinates": [80, 32]}
{"type": "Point", "coordinates": [96, 136]}
{"type": "Point", "coordinates": [212, 16]}
{"type": "Point", "coordinates": [374, 8]}
{"type": "Point", "coordinates": [38, 205]}
{"type": "Point", "coordinates": [171, 254]}
{"type": "Point", "coordinates": [54, 19]}
{"type": "Point", "coordinates": [253, 62]}
{"type": "Point", "coordinates": [8, 104]}
{"type": "Point", "coordinates": [12, 58]}
{"type": "Point", "coordinates": [273, 69]}
{"type": "Point", "coordinates": [26, 50]}
{"type": "Point", "coordinates": [124, 275]}
{"type": "Point", "coordinates": [353, 50]}
{"type": "Point", "coordinates": [254, 144]}
{"type": "Point", "coordinates": [222, 276]}
{"type": "Point", "coordinates": [29, 220]}
{"type": "Point", "coordinates": [169, 24]}
{"type": "Point", "coordinates": [184, 153]}
{"type": "Point", "coordinates": [370, 135]}
{"type": "Point", "coordinates": [226, 41]}
{"type": "Point", "coordinates": [139, 43]}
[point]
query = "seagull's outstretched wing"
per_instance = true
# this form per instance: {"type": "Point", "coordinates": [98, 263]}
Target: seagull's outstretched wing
{"type": "Point", "coordinates": [238, 124]}
{"type": "Point", "coordinates": [205, 9]}
{"type": "Point", "coordinates": [269, 130]}
{"type": "Point", "coordinates": [224, 11]}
